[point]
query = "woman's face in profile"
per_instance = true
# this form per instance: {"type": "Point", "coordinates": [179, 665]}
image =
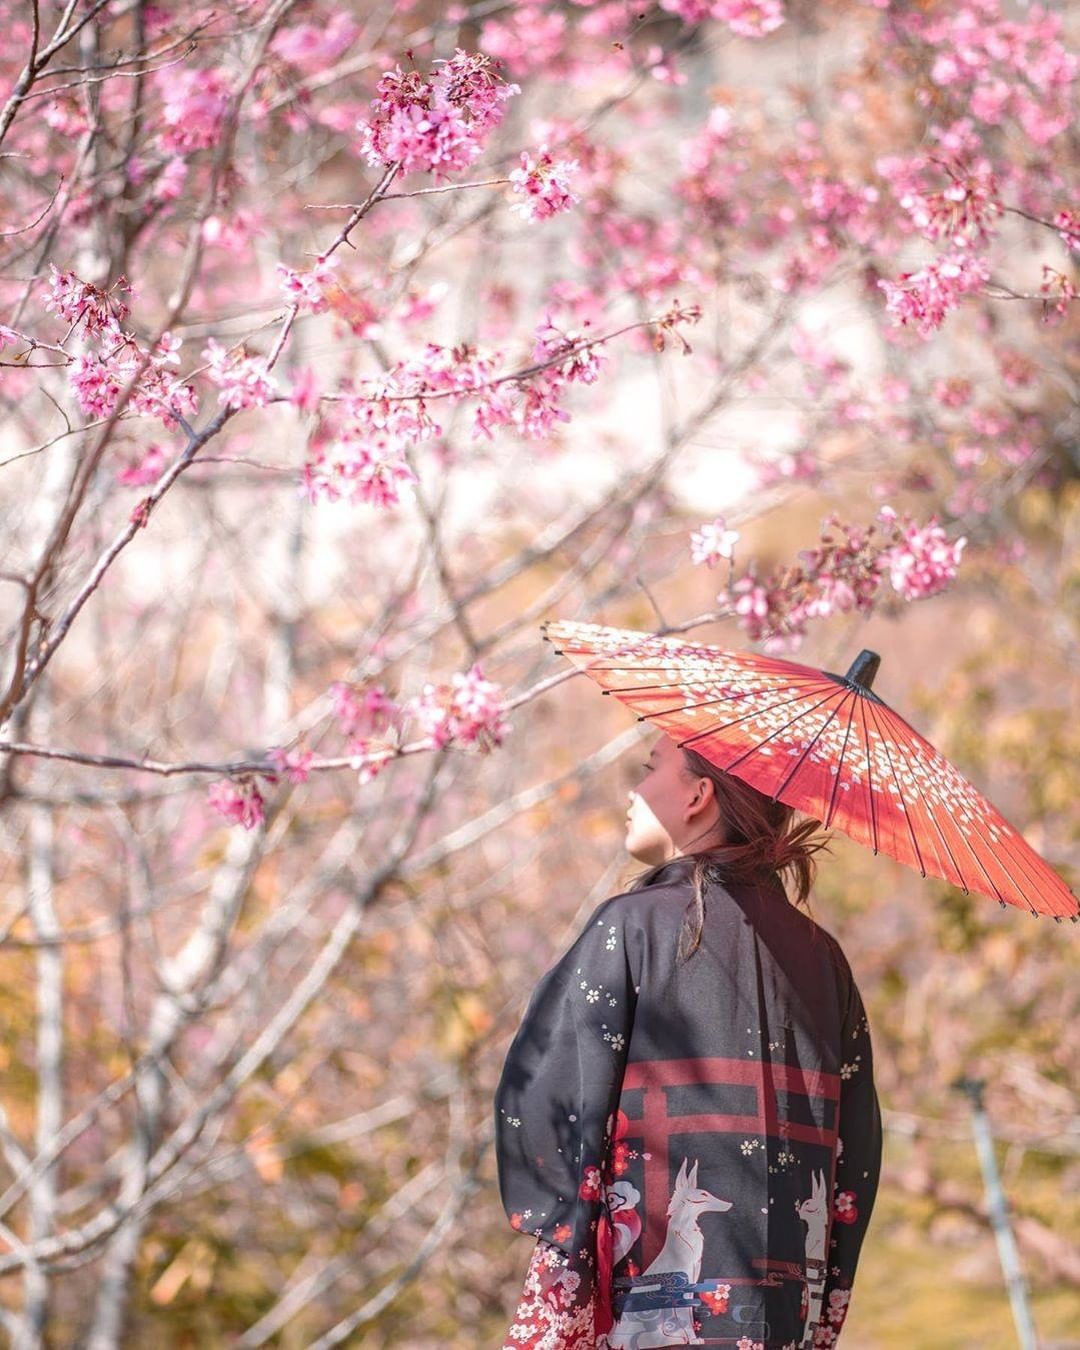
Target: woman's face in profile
{"type": "Point", "coordinates": [654, 818]}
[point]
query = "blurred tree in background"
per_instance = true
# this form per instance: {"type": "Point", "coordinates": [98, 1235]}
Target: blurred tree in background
{"type": "Point", "coordinates": [340, 345]}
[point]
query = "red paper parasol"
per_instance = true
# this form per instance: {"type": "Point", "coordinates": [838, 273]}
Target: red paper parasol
{"type": "Point", "coordinates": [826, 745]}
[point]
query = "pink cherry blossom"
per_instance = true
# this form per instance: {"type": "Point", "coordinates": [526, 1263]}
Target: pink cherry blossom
{"type": "Point", "coordinates": [372, 712]}
{"type": "Point", "coordinates": [170, 181]}
{"type": "Point", "coordinates": [313, 46]}
{"type": "Point", "coordinates": [954, 392]}
{"type": "Point", "coordinates": [580, 363]}
{"type": "Point", "coordinates": [476, 707]}
{"type": "Point", "coordinates": [946, 197]}
{"type": "Point", "coordinates": [244, 381]}
{"type": "Point", "coordinates": [374, 471]}
{"type": "Point", "coordinates": [924, 561]}
{"type": "Point", "coordinates": [526, 37]}
{"type": "Point", "coordinates": [1017, 370]}
{"type": "Point", "coordinates": [997, 67]}
{"type": "Point", "coordinates": [194, 104]}
{"type": "Point", "coordinates": [369, 761]}
{"type": "Point", "coordinates": [145, 470]}
{"type": "Point", "coordinates": [543, 181]}
{"type": "Point", "coordinates": [420, 305]}
{"type": "Point", "coordinates": [435, 124]}
{"type": "Point", "coordinates": [304, 394]}
{"type": "Point", "coordinates": [748, 18]}
{"type": "Point", "coordinates": [98, 376]}
{"type": "Point", "coordinates": [924, 298]}
{"type": "Point", "coordinates": [1067, 222]}
{"type": "Point", "coordinates": [294, 764]}
{"type": "Point", "coordinates": [240, 802]}
{"type": "Point", "coordinates": [77, 301]}
{"type": "Point", "coordinates": [1057, 290]}
{"type": "Point", "coordinates": [469, 711]}
{"type": "Point", "coordinates": [844, 574]}
{"type": "Point", "coordinates": [96, 383]}
{"type": "Point", "coordinates": [307, 289]}
{"type": "Point", "coordinates": [711, 542]}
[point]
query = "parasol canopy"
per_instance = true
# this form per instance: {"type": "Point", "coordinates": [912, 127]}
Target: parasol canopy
{"type": "Point", "coordinates": [826, 745]}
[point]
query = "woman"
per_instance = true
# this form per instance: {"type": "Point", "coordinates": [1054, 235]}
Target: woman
{"type": "Point", "coordinates": [686, 1119]}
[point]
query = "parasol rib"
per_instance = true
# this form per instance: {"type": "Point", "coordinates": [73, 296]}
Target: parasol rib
{"type": "Point", "coordinates": [869, 777]}
{"type": "Point", "coordinates": [840, 762]}
{"type": "Point", "coordinates": [900, 793]}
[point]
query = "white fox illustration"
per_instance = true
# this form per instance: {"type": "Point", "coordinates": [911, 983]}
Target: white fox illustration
{"type": "Point", "coordinates": [682, 1250]}
{"type": "Point", "coordinates": [815, 1214]}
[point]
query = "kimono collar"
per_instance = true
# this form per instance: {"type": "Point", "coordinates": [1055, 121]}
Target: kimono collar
{"type": "Point", "coordinates": [672, 870]}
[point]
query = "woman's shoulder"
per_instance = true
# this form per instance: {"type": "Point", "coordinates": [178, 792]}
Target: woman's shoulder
{"type": "Point", "coordinates": [654, 907]}
{"type": "Point", "coordinates": [652, 891]}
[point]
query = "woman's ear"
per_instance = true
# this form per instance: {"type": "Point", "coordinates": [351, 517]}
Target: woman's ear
{"type": "Point", "coordinates": [703, 790]}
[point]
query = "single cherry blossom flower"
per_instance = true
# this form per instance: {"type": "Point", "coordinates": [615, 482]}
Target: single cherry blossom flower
{"type": "Point", "coordinates": [711, 542]}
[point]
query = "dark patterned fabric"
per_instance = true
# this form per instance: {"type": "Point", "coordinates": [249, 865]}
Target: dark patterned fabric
{"type": "Point", "coordinates": [696, 1146]}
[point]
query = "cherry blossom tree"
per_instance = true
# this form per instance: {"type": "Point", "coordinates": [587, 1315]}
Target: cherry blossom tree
{"type": "Point", "coordinates": [341, 344]}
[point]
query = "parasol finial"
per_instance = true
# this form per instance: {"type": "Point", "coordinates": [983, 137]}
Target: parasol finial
{"type": "Point", "coordinates": [864, 668]}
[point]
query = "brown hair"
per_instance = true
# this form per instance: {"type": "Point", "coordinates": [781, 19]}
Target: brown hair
{"type": "Point", "coordinates": [761, 841]}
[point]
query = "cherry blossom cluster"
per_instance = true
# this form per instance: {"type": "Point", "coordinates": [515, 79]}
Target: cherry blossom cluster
{"type": "Point", "coordinates": [1067, 223]}
{"type": "Point", "coordinates": [307, 290]}
{"type": "Point", "coordinates": [239, 800]}
{"type": "Point", "coordinates": [367, 718]}
{"type": "Point", "coordinates": [314, 46]}
{"type": "Point", "coordinates": [244, 381]}
{"type": "Point", "coordinates": [924, 561]}
{"type": "Point", "coordinates": [924, 298]}
{"type": "Point", "coordinates": [76, 302]}
{"type": "Point", "coordinates": [194, 104]}
{"type": "Point", "coordinates": [961, 212]}
{"type": "Point", "coordinates": [844, 574]}
{"type": "Point", "coordinates": [543, 181]}
{"type": "Point", "coordinates": [358, 452]}
{"type": "Point", "coordinates": [526, 37]}
{"type": "Point", "coordinates": [360, 448]}
{"type": "Point", "coordinates": [436, 123]}
{"type": "Point", "coordinates": [111, 356]}
{"type": "Point", "coordinates": [372, 712]}
{"type": "Point", "coordinates": [146, 467]}
{"type": "Point", "coordinates": [470, 710]}
{"type": "Point", "coordinates": [294, 764]}
{"type": "Point", "coordinates": [1001, 71]}
{"type": "Point", "coordinates": [1057, 291]}
{"type": "Point", "coordinates": [747, 18]}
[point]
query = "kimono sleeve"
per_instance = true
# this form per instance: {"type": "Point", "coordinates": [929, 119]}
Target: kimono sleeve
{"type": "Point", "coordinates": [560, 1086]}
{"type": "Point", "coordinates": [858, 1167]}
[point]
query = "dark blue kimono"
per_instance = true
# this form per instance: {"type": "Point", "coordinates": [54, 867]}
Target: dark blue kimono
{"type": "Point", "coordinates": [696, 1144]}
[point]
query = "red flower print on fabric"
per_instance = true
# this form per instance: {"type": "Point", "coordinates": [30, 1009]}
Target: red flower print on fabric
{"type": "Point", "coordinates": [844, 1208]}
{"type": "Point", "coordinates": [717, 1302]}
{"type": "Point", "coordinates": [590, 1184]}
